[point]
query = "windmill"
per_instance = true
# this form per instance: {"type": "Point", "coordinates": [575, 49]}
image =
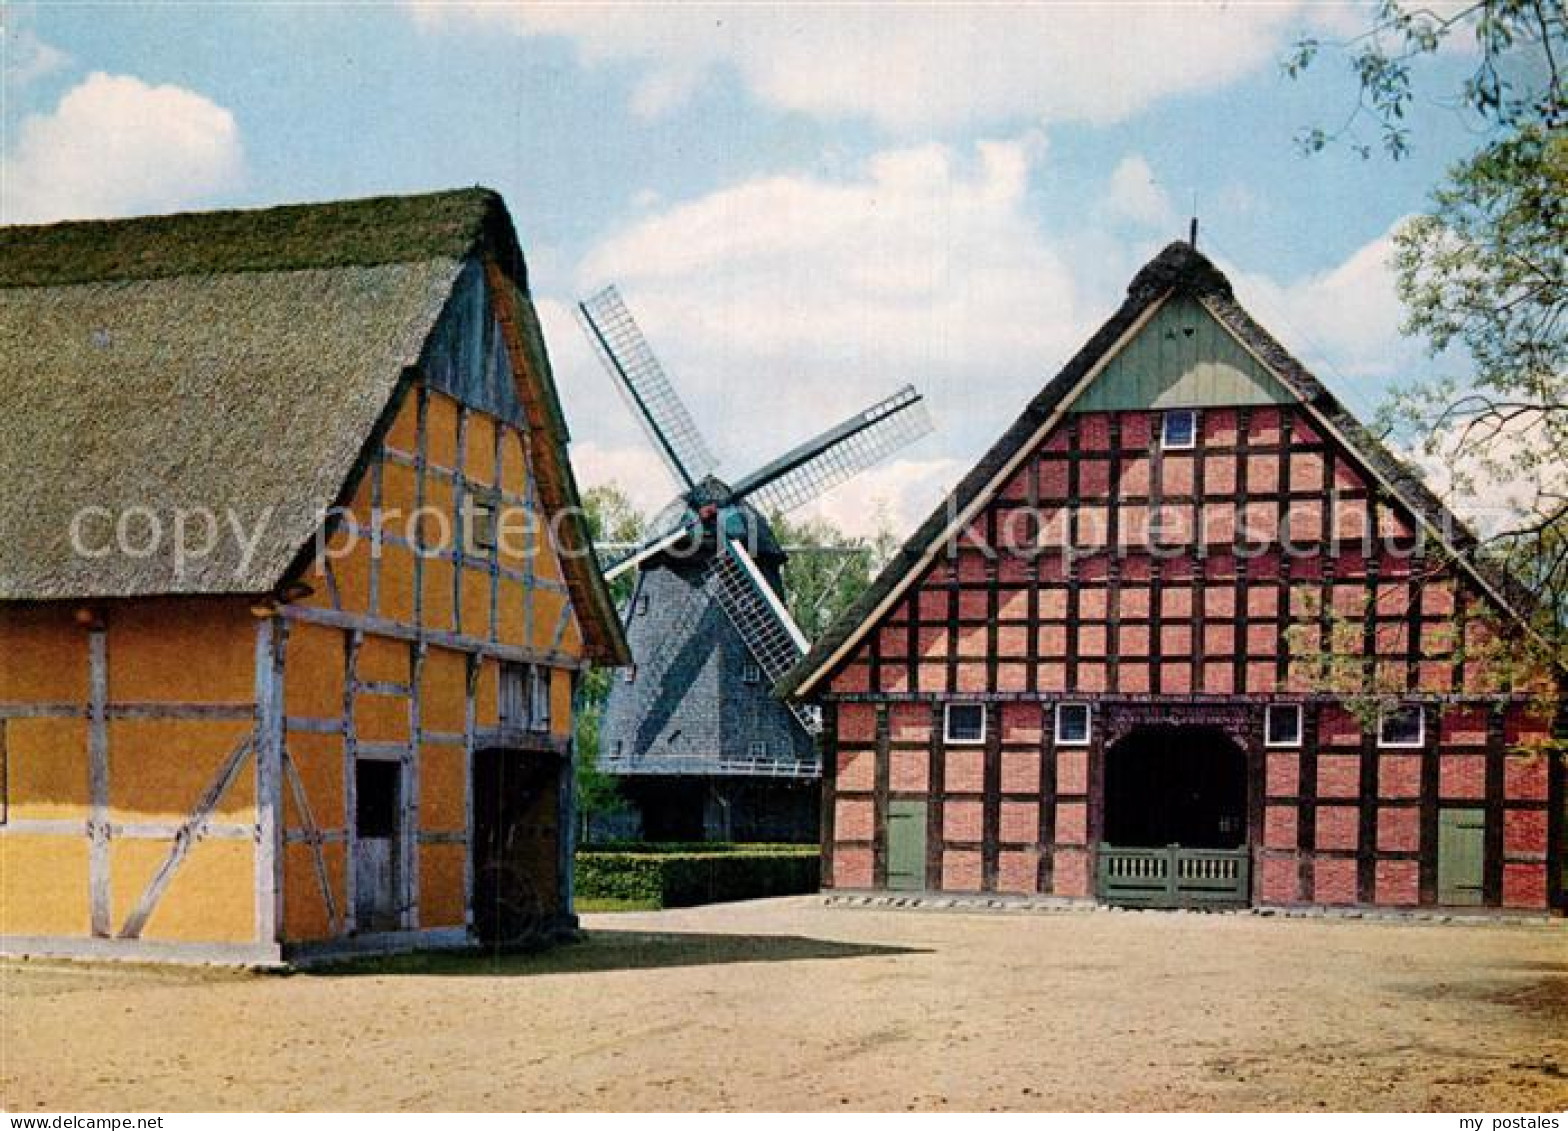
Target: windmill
{"type": "Point", "coordinates": [692, 730]}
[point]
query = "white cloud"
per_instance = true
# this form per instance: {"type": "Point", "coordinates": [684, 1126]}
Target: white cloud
{"type": "Point", "coordinates": [783, 304]}
{"type": "Point", "coordinates": [908, 66]}
{"type": "Point", "coordinates": [1135, 195]}
{"type": "Point", "coordinates": [635, 469]}
{"type": "Point", "coordinates": [899, 494]}
{"type": "Point", "coordinates": [27, 58]}
{"type": "Point", "coordinates": [1346, 318]}
{"type": "Point", "coordinates": [115, 146]}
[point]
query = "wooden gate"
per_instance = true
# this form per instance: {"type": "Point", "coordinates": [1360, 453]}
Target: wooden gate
{"type": "Point", "coordinates": [1174, 877]}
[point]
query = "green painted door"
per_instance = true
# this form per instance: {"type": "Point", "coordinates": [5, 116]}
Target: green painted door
{"type": "Point", "coordinates": [1461, 852]}
{"type": "Point", "coordinates": [906, 845]}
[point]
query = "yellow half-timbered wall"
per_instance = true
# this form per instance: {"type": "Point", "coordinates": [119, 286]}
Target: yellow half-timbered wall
{"type": "Point", "coordinates": [127, 772]}
{"type": "Point", "coordinates": [129, 729]}
{"type": "Point", "coordinates": [397, 653]}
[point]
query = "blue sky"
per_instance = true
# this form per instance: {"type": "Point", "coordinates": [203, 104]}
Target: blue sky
{"type": "Point", "coordinates": [806, 207]}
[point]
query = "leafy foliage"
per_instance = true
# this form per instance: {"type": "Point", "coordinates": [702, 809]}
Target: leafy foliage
{"type": "Point", "coordinates": [824, 574]}
{"type": "Point", "coordinates": [612, 517]}
{"type": "Point", "coordinates": [1483, 275]}
{"type": "Point", "coordinates": [686, 878]}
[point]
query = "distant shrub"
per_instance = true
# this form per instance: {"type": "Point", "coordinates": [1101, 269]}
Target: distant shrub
{"type": "Point", "coordinates": [691, 875]}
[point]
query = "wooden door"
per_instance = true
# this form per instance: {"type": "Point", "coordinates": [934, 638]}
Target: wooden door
{"type": "Point", "coordinates": [377, 829]}
{"type": "Point", "coordinates": [1461, 856]}
{"type": "Point", "coordinates": [906, 845]}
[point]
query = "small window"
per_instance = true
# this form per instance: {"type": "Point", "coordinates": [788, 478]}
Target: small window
{"type": "Point", "coordinates": [1072, 724]}
{"type": "Point", "coordinates": [1282, 725]}
{"type": "Point", "coordinates": [751, 673]}
{"type": "Point", "coordinates": [640, 607]}
{"type": "Point", "coordinates": [539, 699]}
{"type": "Point", "coordinates": [481, 526]}
{"type": "Point", "coordinates": [629, 673]}
{"type": "Point", "coordinates": [759, 749]}
{"type": "Point", "coordinates": [1179, 429]}
{"type": "Point", "coordinates": [964, 723]}
{"type": "Point", "coordinates": [1404, 725]}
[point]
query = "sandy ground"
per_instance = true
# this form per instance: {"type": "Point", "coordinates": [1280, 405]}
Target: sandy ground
{"type": "Point", "coordinates": [788, 1004]}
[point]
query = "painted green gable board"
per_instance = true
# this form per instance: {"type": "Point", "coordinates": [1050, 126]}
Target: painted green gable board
{"type": "Point", "coordinates": [1182, 358]}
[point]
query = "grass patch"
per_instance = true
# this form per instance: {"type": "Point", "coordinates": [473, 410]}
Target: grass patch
{"type": "Point", "coordinates": [595, 906]}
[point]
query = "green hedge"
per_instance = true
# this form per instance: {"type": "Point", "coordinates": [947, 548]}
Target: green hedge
{"type": "Point", "coordinates": [694, 848]}
{"type": "Point", "coordinates": [713, 874]}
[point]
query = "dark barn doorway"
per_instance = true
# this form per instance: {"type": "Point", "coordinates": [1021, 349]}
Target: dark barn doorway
{"type": "Point", "coordinates": [1175, 819]}
{"type": "Point", "coordinates": [516, 845]}
{"type": "Point", "coordinates": [1176, 785]}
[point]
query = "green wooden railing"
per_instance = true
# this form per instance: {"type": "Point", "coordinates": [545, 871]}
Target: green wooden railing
{"type": "Point", "coordinates": [1174, 877]}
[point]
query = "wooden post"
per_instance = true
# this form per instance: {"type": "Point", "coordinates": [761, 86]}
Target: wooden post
{"type": "Point", "coordinates": [411, 774]}
{"type": "Point", "coordinates": [98, 777]}
{"type": "Point", "coordinates": [566, 822]}
{"type": "Point", "coordinates": [352, 642]}
{"type": "Point", "coordinates": [269, 775]}
{"type": "Point", "coordinates": [472, 665]}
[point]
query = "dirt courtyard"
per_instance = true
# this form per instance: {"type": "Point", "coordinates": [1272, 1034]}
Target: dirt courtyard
{"type": "Point", "coordinates": [788, 1004]}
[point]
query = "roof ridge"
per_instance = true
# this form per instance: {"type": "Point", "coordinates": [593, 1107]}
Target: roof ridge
{"type": "Point", "coordinates": [362, 232]}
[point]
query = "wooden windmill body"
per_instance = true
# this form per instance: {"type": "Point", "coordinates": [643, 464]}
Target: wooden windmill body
{"type": "Point", "coordinates": [693, 731]}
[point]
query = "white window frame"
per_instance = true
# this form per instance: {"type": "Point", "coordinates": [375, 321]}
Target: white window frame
{"type": "Point", "coordinates": [1165, 442]}
{"type": "Point", "coordinates": [1382, 718]}
{"type": "Point", "coordinates": [1268, 729]}
{"type": "Point", "coordinates": [947, 725]}
{"type": "Point", "coordinates": [1088, 728]}
{"type": "Point", "coordinates": [629, 673]}
{"type": "Point", "coordinates": [758, 749]}
{"type": "Point", "coordinates": [751, 672]}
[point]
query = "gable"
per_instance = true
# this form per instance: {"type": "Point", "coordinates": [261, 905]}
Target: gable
{"type": "Point", "coordinates": [1179, 272]}
{"type": "Point", "coordinates": [1181, 358]}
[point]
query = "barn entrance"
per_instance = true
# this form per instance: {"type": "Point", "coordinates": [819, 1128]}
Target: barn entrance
{"type": "Point", "coordinates": [517, 832]}
{"type": "Point", "coordinates": [1175, 820]}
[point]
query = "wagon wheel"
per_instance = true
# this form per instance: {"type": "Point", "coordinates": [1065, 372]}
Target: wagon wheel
{"type": "Point", "coordinates": [511, 913]}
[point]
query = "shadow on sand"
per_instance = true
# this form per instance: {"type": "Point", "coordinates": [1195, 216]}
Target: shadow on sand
{"type": "Point", "coordinates": [603, 950]}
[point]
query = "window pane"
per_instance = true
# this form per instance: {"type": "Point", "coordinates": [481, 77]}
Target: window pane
{"type": "Point", "coordinates": [1072, 723]}
{"type": "Point", "coordinates": [965, 722]}
{"type": "Point", "coordinates": [1180, 429]}
{"type": "Point", "coordinates": [1284, 725]}
{"type": "Point", "coordinates": [1401, 727]}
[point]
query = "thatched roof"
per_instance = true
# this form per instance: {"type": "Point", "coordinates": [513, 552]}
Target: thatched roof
{"type": "Point", "coordinates": [1180, 269]}
{"type": "Point", "coordinates": [232, 361]}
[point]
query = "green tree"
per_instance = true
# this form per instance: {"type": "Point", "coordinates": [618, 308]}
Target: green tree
{"type": "Point", "coordinates": [827, 570]}
{"type": "Point", "coordinates": [614, 518]}
{"type": "Point", "coordinates": [1483, 272]}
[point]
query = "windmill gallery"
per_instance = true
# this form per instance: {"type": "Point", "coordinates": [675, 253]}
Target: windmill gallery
{"type": "Point", "coordinates": [1078, 680]}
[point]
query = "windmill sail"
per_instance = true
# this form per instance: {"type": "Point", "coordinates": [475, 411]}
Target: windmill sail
{"type": "Point", "coordinates": [838, 454]}
{"type": "Point", "coordinates": [770, 633]}
{"type": "Point", "coordinates": [637, 373]}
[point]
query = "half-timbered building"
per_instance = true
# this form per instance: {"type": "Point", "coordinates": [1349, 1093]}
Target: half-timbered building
{"type": "Point", "coordinates": [1112, 665]}
{"type": "Point", "coordinates": [294, 590]}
